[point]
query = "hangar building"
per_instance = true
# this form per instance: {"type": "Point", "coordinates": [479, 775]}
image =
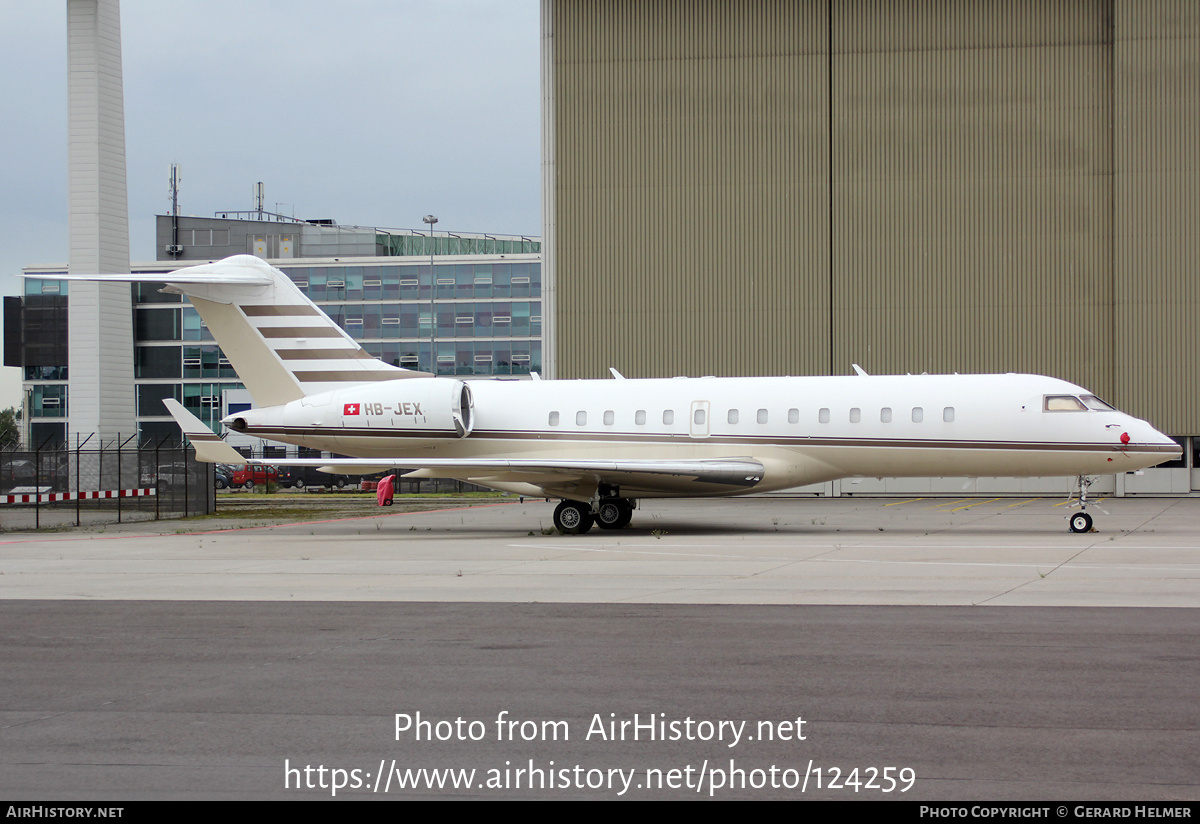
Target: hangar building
{"type": "Point", "coordinates": [1007, 186]}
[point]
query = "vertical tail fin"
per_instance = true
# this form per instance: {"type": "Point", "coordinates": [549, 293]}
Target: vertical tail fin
{"type": "Point", "coordinates": [282, 346]}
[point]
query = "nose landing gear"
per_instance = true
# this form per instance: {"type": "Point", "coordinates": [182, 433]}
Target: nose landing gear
{"type": "Point", "coordinates": [1081, 521]}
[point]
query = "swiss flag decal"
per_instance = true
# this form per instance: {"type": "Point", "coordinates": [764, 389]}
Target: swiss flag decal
{"type": "Point", "coordinates": [350, 409]}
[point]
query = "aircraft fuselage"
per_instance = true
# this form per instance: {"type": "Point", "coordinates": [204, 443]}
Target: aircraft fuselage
{"type": "Point", "coordinates": [802, 429]}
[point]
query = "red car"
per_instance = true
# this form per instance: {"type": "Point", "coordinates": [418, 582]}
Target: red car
{"type": "Point", "coordinates": [247, 476]}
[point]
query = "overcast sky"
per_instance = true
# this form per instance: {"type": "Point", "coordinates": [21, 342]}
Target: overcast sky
{"type": "Point", "coordinates": [370, 112]}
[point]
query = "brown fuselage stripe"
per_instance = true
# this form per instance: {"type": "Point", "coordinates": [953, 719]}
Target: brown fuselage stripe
{"type": "Point", "coordinates": [390, 432]}
{"type": "Point", "coordinates": [299, 332]}
{"type": "Point", "coordinates": [342, 377]}
{"type": "Point", "coordinates": [279, 311]}
{"type": "Point", "coordinates": [323, 354]}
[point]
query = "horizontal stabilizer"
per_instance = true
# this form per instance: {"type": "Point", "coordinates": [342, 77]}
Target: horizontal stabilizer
{"type": "Point", "coordinates": [225, 278]}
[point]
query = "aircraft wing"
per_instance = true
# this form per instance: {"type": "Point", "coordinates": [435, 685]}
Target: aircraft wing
{"type": "Point", "coordinates": [556, 472]}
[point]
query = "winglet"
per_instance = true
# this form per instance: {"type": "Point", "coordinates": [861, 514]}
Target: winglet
{"type": "Point", "coordinates": [859, 370]}
{"type": "Point", "coordinates": [617, 375]}
{"type": "Point", "coordinates": [209, 446]}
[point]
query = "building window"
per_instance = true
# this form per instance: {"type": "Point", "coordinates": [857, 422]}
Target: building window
{"type": "Point", "coordinates": [158, 362]}
{"type": "Point", "coordinates": [158, 324]}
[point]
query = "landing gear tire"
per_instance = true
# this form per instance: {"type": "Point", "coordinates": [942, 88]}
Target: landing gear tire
{"type": "Point", "coordinates": [614, 513]}
{"type": "Point", "coordinates": [573, 518]}
{"type": "Point", "coordinates": [1081, 522]}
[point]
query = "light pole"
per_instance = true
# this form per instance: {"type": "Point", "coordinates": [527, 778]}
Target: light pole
{"type": "Point", "coordinates": [431, 220]}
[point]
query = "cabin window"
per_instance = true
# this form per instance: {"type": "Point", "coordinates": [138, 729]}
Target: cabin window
{"type": "Point", "coordinates": [553, 419]}
{"type": "Point", "coordinates": [793, 416]}
{"type": "Point", "coordinates": [762, 416]}
{"type": "Point", "coordinates": [668, 416]}
{"type": "Point", "coordinates": [855, 415]}
{"type": "Point", "coordinates": [581, 418]}
{"type": "Point", "coordinates": [948, 414]}
{"type": "Point", "coordinates": [639, 417]}
{"type": "Point", "coordinates": [823, 415]}
{"type": "Point", "coordinates": [918, 414]}
{"type": "Point", "coordinates": [698, 417]}
{"type": "Point", "coordinates": [885, 415]}
{"type": "Point", "coordinates": [609, 417]}
{"type": "Point", "coordinates": [732, 417]}
{"type": "Point", "coordinates": [1063, 403]}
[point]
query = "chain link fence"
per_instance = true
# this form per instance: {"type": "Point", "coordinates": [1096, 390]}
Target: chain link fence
{"type": "Point", "coordinates": [101, 481]}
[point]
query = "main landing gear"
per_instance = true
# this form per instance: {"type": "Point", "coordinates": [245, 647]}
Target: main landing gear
{"type": "Point", "coordinates": [614, 513]}
{"type": "Point", "coordinates": [1081, 521]}
{"type": "Point", "coordinates": [577, 517]}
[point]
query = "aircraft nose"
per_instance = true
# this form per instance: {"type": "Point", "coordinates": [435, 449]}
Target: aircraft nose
{"type": "Point", "coordinates": [1141, 433]}
{"type": "Point", "coordinates": [1166, 440]}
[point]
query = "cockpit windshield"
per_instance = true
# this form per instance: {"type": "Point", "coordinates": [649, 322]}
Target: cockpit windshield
{"type": "Point", "coordinates": [1070, 403]}
{"type": "Point", "coordinates": [1063, 403]}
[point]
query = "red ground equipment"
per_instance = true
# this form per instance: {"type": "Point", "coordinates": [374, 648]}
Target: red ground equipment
{"type": "Point", "coordinates": [386, 490]}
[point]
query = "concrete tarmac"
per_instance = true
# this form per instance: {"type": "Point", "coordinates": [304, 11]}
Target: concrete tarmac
{"type": "Point", "coordinates": [157, 661]}
{"type": "Point", "coordinates": [1003, 552]}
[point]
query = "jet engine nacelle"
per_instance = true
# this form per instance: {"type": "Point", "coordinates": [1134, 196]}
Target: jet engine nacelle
{"type": "Point", "coordinates": [432, 407]}
{"type": "Point", "coordinates": [440, 407]}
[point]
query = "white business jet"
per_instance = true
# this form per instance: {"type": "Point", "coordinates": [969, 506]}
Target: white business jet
{"type": "Point", "coordinates": [600, 445]}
